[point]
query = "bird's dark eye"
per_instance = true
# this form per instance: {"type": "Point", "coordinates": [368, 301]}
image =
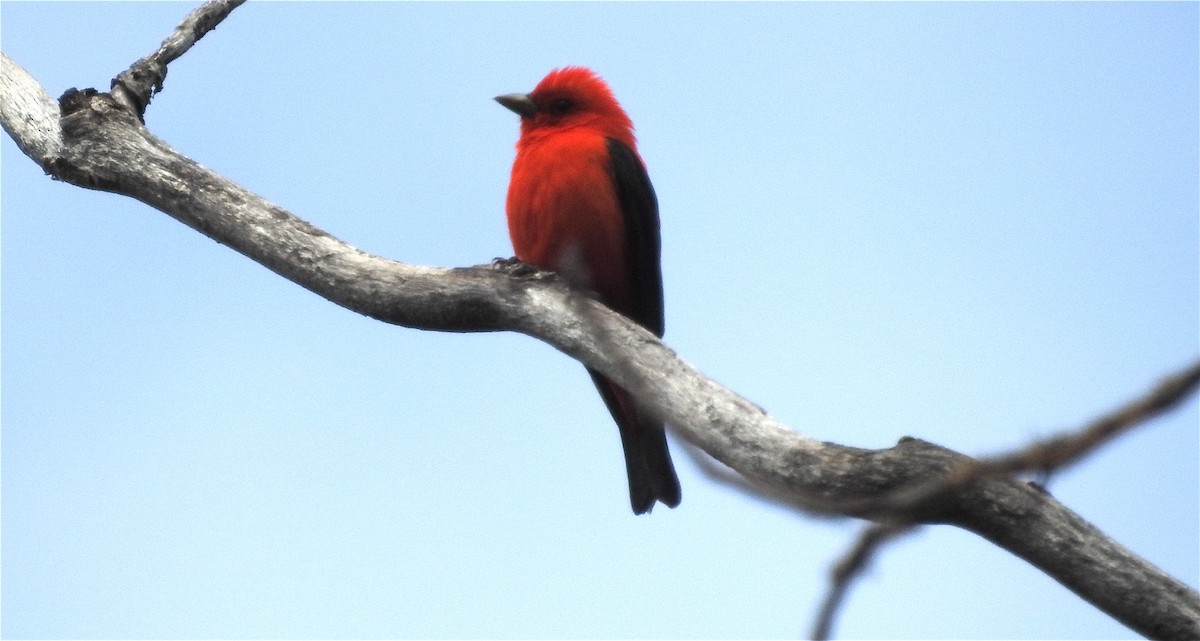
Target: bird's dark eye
{"type": "Point", "coordinates": [562, 106]}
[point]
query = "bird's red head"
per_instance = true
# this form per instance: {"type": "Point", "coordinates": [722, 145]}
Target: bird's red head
{"type": "Point", "coordinates": [567, 98]}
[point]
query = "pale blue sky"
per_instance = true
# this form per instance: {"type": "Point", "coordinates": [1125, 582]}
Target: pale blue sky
{"type": "Point", "coordinates": [972, 223]}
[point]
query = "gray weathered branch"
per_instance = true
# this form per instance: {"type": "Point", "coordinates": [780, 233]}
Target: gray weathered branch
{"type": "Point", "coordinates": [1045, 456]}
{"type": "Point", "coordinates": [135, 86]}
{"type": "Point", "coordinates": [94, 140]}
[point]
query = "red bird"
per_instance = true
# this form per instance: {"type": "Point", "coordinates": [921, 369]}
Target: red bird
{"type": "Point", "coordinates": [580, 204]}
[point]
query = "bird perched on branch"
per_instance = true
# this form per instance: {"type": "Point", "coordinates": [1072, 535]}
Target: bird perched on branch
{"type": "Point", "coordinates": [581, 204]}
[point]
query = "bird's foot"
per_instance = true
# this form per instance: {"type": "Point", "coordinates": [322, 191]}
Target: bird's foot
{"type": "Point", "coordinates": [516, 268]}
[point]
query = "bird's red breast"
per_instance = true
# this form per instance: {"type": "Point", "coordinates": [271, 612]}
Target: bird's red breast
{"type": "Point", "coordinates": [564, 214]}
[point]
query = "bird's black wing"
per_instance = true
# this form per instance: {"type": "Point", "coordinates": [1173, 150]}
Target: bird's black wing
{"type": "Point", "coordinates": [643, 242]}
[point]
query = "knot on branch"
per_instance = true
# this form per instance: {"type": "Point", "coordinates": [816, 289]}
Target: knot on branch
{"type": "Point", "coordinates": [93, 125]}
{"type": "Point", "coordinates": [74, 100]}
{"type": "Point", "coordinates": [83, 111]}
{"type": "Point", "coordinates": [136, 86]}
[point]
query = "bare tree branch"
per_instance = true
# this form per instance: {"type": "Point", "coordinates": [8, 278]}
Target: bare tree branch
{"type": "Point", "coordinates": [135, 86]}
{"type": "Point", "coordinates": [1052, 454]}
{"type": "Point", "coordinates": [28, 114]}
{"type": "Point", "coordinates": [99, 142]}
{"type": "Point", "coordinates": [848, 568]}
{"type": "Point", "coordinates": [1045, 456]}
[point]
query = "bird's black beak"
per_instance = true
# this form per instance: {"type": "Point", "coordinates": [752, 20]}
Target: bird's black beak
{"type": "Point", "coordinates": [519, 103]}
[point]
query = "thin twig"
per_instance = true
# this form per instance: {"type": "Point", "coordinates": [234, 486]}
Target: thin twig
{"type": "Point", "coordinates": [848, 568]}
{"type": "Point", "coordinates": [1045, 456]}
{"type": "Point", "coordinates": [1050, 455]}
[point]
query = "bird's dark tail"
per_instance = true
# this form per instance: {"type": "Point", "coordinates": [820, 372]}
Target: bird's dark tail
{"type": "Point", "coordinates": [647, 460]}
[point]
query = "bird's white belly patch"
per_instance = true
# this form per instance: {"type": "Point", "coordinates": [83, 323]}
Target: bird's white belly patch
{"type": "Point", "coordinates": [572, 266]}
